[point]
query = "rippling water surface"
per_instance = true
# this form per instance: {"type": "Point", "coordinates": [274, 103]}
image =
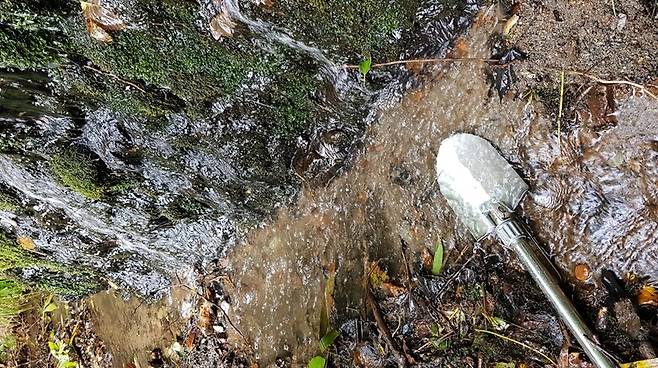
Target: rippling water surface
{"type": "Point", "coordinates": [592, 200]}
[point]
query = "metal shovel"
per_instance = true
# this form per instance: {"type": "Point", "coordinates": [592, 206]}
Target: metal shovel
{"type": "Point", "coordinates": [483, 190]}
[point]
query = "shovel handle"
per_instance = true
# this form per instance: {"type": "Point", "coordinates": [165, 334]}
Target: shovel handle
{"type": "Point", "coordinates": [513, 235]}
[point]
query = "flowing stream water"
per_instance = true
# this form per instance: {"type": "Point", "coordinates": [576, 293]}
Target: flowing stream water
{"type": "Point", "coordinates": [592, 200]}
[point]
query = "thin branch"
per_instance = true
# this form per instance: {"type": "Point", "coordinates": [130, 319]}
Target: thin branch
{"type": "Point", "coordinates": [115, 77]}
{"type": "Point", "coordinates": [221, 309]}
{"type": "Point", "coordinates": [605, 81]}
{"type": "Point", "coordinates": [559, 116]}
{"type": "Point", "coordinates": [518, 343]}
{"type": "Point", "coordinates": [433, 60]}
{"type": "Point", "coordinates": [383, 328]}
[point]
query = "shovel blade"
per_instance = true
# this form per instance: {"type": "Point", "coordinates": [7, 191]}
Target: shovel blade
{"type": "Point", "coordinates": [473, 176]}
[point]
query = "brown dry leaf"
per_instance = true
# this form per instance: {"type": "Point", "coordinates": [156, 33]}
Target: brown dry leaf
{"type": "Point", "coordinates": [206, 316]}
{"type": "Point", "coordinates": [648, 295]}
{"type": "Point", "coordinates": [582, 272]}
{"type": "Point", "coordinates": [427, 260]}
{"type": "Point", "coordinates": [26, 242]}
{"type": "Point", "coordinates": [191, 339]}
{"type": "Point", "coordinates": [601, 103]}
{"type": "Point", "coordinates": [377, 276]}
{"type": "Point", "coordinates": [98, 33]}
{"type": "Point", "coordinates": [103, 17]}
{"type": "Point", "coordinates": [392, 289]}
{"type": "Point", "coordinates": [222, 25]}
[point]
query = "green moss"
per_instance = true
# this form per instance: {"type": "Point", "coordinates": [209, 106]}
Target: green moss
{"type": "Point", "coordinates": [77, 172]}
{"type": "Point", "coordinates": [11, 300]}
{"type": "Point", "coordinates": [73, 285]}
{"type": "Point", "coordinates": [119, 99]}
{"type": "Point", "coordinates": [7, 203]}
{"type": "Point", "coordinates": [171, 53]}
{"type": "Point", "coordinates": [26, 49]}
{"type": "Point", "coordinates": [50, 276]}
{"type": "Point", "coordinates": [12, 256]}
{"type": "Point", "coordinates": [347, 28]}
{"type": "Point", "coordinates": [292, 98]}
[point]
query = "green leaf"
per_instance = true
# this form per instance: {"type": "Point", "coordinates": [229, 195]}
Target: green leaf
{"type": "Point", "coordinates": [504, 365]}
{"type": "Point", "coordinates": [317, 362]}
{"type": "Point", "coordinates": [328, 339]}
{"type": "Point", "coordinates": [71, 365]}
{"type": "Point", "coordinates": [54, 348]}
{"type": "Point", "coordinates": [50, 308]}
{"type": "Point", "coordinates": [439, 344]}
{"type": "Point", "coordinates": [364, 65]}
{"type": "Point", "coordinates": [437, 265]}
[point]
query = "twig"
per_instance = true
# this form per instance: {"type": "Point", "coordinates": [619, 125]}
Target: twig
{"type": "Point", "coordinates": [383, 328]}
{"type": "Point", "coordinates": [518, 343]}
{"type": "Point", "coordinates": [221, 309]}
{"type": "Point", "coordinates": [115, 77]}
{"type": "Point", "coordinates": [559, 116]}
{"type": "Point", "coordinates": [454, 276]}
{"type": "Point", "coordinates": [605, 81]}
{"type": "Point", "coordinates": [432, 60]}
{"type": "Point", "coordinates": [614, 9]}
{"type": "Point", "coordinates": [403, 248]}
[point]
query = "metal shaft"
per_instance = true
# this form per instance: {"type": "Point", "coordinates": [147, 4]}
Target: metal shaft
{"type": "Point", "coordinates": [514, 236]}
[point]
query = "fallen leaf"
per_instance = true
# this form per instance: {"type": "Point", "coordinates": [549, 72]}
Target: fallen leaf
{"type": "Point", "coordinates": [582, 272]}
{"type": "Point", "coordinates": [98, 33]}
{"type": "Point", "coordinates": [191, 339]}
{"type": "Point", "coordinates": [601, 103]}
{"type": "Point", "coordinates": [650, 363]}
{"type": "Point", "coordinates": [26, 242]}
{"type": "Point", "coordinates": [364, 65]}
{"type": "Point", "coordinates": [51, 307]}
{"type": "Point", "coordinates": [511, 22]}
{"type": "Point", "coordinates": [648, 295]}
{"type": "Point", "coordinates": [222, 25]}
{"type": "Point", "coordinates": [426, 259]}
{"type": "Point", "coordinates": [392, 289]}
{"type": "Point", "coordinates": [103, 17]}
{"type": "Point", "coordinates": [206, 316]}
{"type": "Point", "coordinates": [377, 276]}
{"type": "Point", "coordinates": [328, 339]}
{"type": "Point", "coordinates": [317, 362]}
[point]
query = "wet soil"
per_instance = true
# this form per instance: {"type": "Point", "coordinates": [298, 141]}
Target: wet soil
{"type": "Point", "coordinates": [609, 38]}
{"type": "Point", "coordinates": [134, 328]}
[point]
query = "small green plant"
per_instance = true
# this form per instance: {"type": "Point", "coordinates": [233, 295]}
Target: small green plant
{"type": "Point", "coordinates": [326, 341]}
{"type": "Point", "coordinates": [61, 351]}
{"type": "Point", "coordinates": [439, 342]}
{"type": "Point", "coordinates": [49, 306]}
{"type": "Point", "coordinates": [77, 172]}
{"type": "Point", "coordinates": [437, 264]}
{"type": "Point", "coordinates": [364, 66]}
{"type": "Point", "coordinates": [317, 362]}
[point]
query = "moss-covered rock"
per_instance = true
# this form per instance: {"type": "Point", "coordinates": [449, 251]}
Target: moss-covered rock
{"type": "Point", "coordinates": [7, 203]}
{"type": "Point", "coordinates": [76, 171]}
{"type": "Point", "coordinates": [63, 280]}
{"type": "Point", "coordinates": [347, 29]}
